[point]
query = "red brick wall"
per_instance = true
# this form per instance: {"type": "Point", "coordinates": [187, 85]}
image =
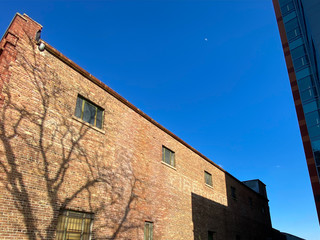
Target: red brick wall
{"type": "Point", "coordinates": [50, 160]}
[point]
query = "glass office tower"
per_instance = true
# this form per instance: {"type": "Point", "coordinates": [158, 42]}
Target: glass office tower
{"type": "Point", "coordinates": [299, 27]}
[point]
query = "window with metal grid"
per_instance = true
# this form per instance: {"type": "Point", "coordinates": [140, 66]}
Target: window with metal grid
{"type": "Point", "coordinates": [148, 231]}
{"type": "Point", "coordinates": [74, 225]}
{"type": "Point", "coordinates": [89, 112]}
{"type": "Point", "coordinates": [168, 156]}
{"type": "Point", "coordinates": [208, 178]}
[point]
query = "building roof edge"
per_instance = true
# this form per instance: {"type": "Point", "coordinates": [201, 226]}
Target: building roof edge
{"type": "Point", "coordinates": [116, 95]}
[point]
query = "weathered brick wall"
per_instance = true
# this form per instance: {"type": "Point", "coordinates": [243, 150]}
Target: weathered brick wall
{"type": "Point", "coordinates": [51, 160]}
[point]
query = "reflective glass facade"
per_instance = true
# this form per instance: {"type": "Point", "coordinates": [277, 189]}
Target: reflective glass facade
{"type": "Point", "coordinates": [299, 26]}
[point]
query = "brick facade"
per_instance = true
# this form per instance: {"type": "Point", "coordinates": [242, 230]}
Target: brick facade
{"type": "Point", "coordinates": [52, 160]}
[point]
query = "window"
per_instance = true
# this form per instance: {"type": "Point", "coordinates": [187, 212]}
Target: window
{"type": "Point", "coordinates": [307, 94]}
{"type": "Point", "coordinates": [233, 193]}
{"type": "Point", "coordinates": [208, 178]}
{"type": "Point", "coordinates": [74, 225]}
{"type": "Point", "coordinates": [211, 235]}
{"type": "Point", "coordinates": [305, 83]}
{"type": "Point", "coordinates": [148, 231]}
{"type": "Point", "coordinates": [298, 52]}
{"type": "Point", "coordinates": [287, 8]}
{"type": "Point", "coordinates": [292, 29]}
{"type": "Point", "coordinates": [168, 156]}
{"type": "Point", "coordinates": [301, 62]}
{"type": "Point", "coordinates": [89, 112]}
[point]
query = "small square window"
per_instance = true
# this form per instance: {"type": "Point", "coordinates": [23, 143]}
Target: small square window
{"type": "Point", "coordinates": [168, 156]}
{"type": "Point", "coordinates": [233, 192]}
{"type": "Point", "coordinates": [74, 225]}
{"type": "Point", "coordinates": [89, 112]}
{"type": "Point", "coordinates": [148, 231]}
{"type": "Point", "coordinates": [208, 178]}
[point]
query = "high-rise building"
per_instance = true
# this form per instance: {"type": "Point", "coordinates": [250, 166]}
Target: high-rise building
{"type": "Point", "coordinates": [299, 27]}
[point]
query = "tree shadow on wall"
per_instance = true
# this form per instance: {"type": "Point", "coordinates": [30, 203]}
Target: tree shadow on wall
{"type": "Point", "coordinates": [51, 162]}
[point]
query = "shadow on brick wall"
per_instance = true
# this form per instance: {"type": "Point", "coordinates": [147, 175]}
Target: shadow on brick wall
{"type": "Point", "coordinates": [49, 162]}
{"type": "Point", "coordinates": [240, 219]}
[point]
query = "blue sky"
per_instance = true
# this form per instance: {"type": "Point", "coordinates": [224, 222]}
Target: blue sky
{"type": "Point", "coordinates": [212, 72]}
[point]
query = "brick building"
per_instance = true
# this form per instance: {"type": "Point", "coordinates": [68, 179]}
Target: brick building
{"type": "Point", "coordinates": [78, 161]}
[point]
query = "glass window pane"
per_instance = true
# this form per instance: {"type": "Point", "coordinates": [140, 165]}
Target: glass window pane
{"type": "Point", "coordinates": [303, 73]}
{"type": "Point", "coordinates": [208, 178]}
{"type": "Point", "coordinates": [72, 225]}
{"type": "Point", "coordinates": [172, 159]}
{"type": "Point", "coordinates": [89, 113]}
{"type": "Point", "coordinates": [293, 34]}
{"type": "Point", "coordinates": [167, 156]}
{"type": "Point", "coordinates": [296, 43]}
{"type": "Point", "coordinates": [148, 231]}
{"type": "Point", "coordinates": [316, 145]}
{"type": "Point", "coordinates": [300, 62]}
{"type": "Point", "coordinates": [288, 17]}
{"type": "Point", "coordinates": [284, 2]}
{"type": "Point", "coordinates": [291, 25]}
{"type": "Point", "coordinates": [309, 107]}
{"type": "Point", "coordinates": [314, 131]}
{"type": "Point", "coordinates": [99, 118]}
{"type": "Point", "coordinates": [305, 83]}
{"type": "Point", "coordinates": [307, 94]}
{"type": "Point", "coordinates": [298, 52]}
{"type": "Point", "coordinates": [78, 110]}
{"type": "Point", "coordinates": [312, 118]}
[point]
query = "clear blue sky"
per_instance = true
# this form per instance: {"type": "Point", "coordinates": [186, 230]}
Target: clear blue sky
{"type": "Point", "coordinates": [212, 72]}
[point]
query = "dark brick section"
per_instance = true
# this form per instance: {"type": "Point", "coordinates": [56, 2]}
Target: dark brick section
{"type": "Point", "coordinates": [51, 160]}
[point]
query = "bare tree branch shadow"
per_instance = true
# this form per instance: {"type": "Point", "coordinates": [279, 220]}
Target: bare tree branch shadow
{"type": "Point", "coordinates": [54, 146]}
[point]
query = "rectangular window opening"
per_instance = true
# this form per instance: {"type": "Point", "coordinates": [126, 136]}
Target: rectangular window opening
{"type": "Point", "coordinates": [233, 192]}
{"type": "Point", "coordinates": [208, 178]}
{"type": "Point", "coordinates": [74, 225]}
{"type": "Point", "coordinates": [168, 156]}
{"type": "Point", "coordinates": [148, 231]}
{"type": "Point", "coordinates": [89, 112]}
